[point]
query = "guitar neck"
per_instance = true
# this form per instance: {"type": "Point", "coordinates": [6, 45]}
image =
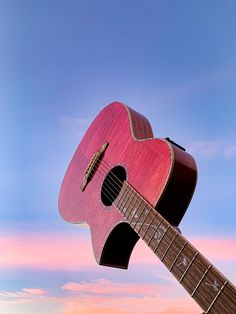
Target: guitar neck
{"type": "Point", "coordinates": [206, 285]}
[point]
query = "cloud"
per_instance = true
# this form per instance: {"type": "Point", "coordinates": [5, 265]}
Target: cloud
{"type": "Point", "coordinates": [26, 292]}
{"type": "Point", "coordinates": [162, 303]}
{"type": "Point", "coordinates": [210, 248]}
{"type": "Point", "coordinates": [76, 126]}
{"type": "Point", "coordinates": [55, 251]}
{"type": "Point", "coordinates": [101, 296]}
{"type": "Point", "coordinates": [15, 302]}
{"type": "Point", "coordinates": [33, 291]}
{"type": "Point", "coordinates": [212, 149]}
{"type": "Point", "coordinates": [48, 251]}
{"type": "Point", "coordinates": [106, 287]}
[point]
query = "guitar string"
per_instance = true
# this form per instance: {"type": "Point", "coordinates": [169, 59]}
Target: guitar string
{"type": "Point", "coordinates": [103, 173]}
{"type": "Point", "coordinates": [109, 192]}
{"type": "Point", "coordinates": [105, 168]}
{"type": "Point", "coordinates": [117, 182]}
{"type": "Point", "coordinates": [115, 187]}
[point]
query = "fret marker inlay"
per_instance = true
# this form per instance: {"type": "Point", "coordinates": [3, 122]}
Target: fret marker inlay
{"type": "Point", "coordinates": [177, 254]}
{"type": "Point", "coordinates": [159, 233]}
{"type": "Point", "coordinates": [215, 285]}
{"type": "Point", "coordinates": [184, 262]}
{"type": "Point", "coordinates": [135, 216]}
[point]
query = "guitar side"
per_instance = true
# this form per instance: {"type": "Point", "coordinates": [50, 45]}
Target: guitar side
{"type": "Point", "coordinates": [161, 172]}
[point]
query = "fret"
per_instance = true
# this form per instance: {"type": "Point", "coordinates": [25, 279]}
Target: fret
{"type": "Point", "coordinates": [172, 265]}
{"type": "Point", "coordinates": [131, 205]}
{"type": "Point", "coordinates": [216, 297]}
{"type": "Point", "coordinates": [148, 243]}
{"type": "Point", "coordinates": [146, 225]}
{"type": "Point", "coordinates": [150, 226]}
{"type": "Point", "coordinates": [200, 281]}
{"type": "Point", "coordinates": [135, 212]}
{"type": "Point", "coordinates": [209, 288]}
{"type": "Point", "coordinates": [146, 212]}
{"type": "Point", "coordinates": [195, 271]}
{"type": "Point", "coordinates": [189, 265]}
{"type": "Point", "coordinates": [160, 240]}
{"type": "Point", "coordinates": [178, 258]}
{"type": "Point", "coordinates": [204, 283]}
{"type": "Point", "coordinates": [120, 202]}
{"type": "Point", "coordinates": [141, 208]}
{"type": "Point", "coordinates": [225, 301]}
{"type": "Point", "coordinates": [168, 247]}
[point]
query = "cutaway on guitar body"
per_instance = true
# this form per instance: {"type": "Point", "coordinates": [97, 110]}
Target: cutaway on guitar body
{"type": "Point", "coordinates": [163, 174]}
{"type": "Point", "coordinates": [127, 185]}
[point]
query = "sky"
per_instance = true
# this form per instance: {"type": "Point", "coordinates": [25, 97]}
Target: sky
{"type": "Point", "coordinates": [63, 61]}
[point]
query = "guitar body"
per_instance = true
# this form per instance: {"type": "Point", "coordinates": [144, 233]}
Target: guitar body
{"type": "Point", "coordinates": [163, 173]}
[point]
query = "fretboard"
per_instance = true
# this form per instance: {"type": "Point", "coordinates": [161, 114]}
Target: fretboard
{"type": "Point", "coordinates": [207, 286]}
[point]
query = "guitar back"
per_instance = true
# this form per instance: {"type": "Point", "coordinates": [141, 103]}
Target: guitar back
{"type": "Point", "coordinates": [164, 174]}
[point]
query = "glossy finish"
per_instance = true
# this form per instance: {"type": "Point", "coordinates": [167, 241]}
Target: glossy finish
{"type": "Point", "coordinates": [159, 171]}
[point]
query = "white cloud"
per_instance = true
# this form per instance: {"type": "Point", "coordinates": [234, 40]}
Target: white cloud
{"type": "Point", "coordinates": [212, 149]}
{"type": "Point", "coordinates": [77, 126]}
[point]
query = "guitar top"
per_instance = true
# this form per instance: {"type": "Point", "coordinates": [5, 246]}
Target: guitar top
{"type": "Point", "coordinates": [126, 184]}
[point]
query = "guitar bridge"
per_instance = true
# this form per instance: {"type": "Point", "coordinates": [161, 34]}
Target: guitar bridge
{"type": "Point", "coordinates": [91, 168]}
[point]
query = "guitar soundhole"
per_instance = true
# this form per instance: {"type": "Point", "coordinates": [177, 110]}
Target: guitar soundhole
{"type": "Point", "coordinates": [112, 185]}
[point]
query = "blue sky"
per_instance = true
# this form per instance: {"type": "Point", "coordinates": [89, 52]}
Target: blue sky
{"type": "Point", "coordinates": [63, 61]}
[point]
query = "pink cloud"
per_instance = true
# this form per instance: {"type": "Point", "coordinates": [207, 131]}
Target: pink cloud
{"type": "Point", "coordinates": [216, 248]}
{"type": "Point", "coordinates": [48, 251]}
{"type": "Point", "coordinates": [84, 304]}
{"type": "Point", "coordinates": [74, 252]}
{"type": "Point", "coordinates": [128, 298]}
{"type": "Point", "coordinates": [223, 249]}
{"type": "Point", "coordinates": [106, 287]}
{"type": "Point", "coordinates": [104, 296]}
{"type": "Point", "coordinates": [146, 304]}
{"type": "Point", "coordinates": [29, 292]}
{"type": "Point", "coordinates": [34, 291]}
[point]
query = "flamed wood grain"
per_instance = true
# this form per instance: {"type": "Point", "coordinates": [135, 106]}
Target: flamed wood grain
{"type": "Point", "coordinates": [160, 181]}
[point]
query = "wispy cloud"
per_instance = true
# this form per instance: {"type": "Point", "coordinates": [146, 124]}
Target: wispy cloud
{"type": "Point", "coordinates": [26, 292]}
{"type": "Point", "coordinates": [130, 305]}
{"type": "Point", "coordinates": [108, 288]}
{"type": "Point", "coordinates": [126, 298]}
{"type": "Point", "coordinates": [57, 251]}
{"type": "Point", "coordinates": [197, 84]}
{"type": "Point", "coordinates": [75, 125]}
{"type": "Point", "coordinates": [212, 149]}
{"type": "Point", "coordinates": [74, 302]}
{"type": "Point", "coordinates": [48, 251]}
{"type": "Point", "coordinates": [210, 247]}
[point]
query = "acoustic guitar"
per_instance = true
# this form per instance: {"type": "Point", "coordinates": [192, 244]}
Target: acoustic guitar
{"type": "Point", "coordinates": [127, 185]}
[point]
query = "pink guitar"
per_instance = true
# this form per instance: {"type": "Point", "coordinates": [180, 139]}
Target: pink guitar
{"type": "Point", "coordinates": [127, 185]}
